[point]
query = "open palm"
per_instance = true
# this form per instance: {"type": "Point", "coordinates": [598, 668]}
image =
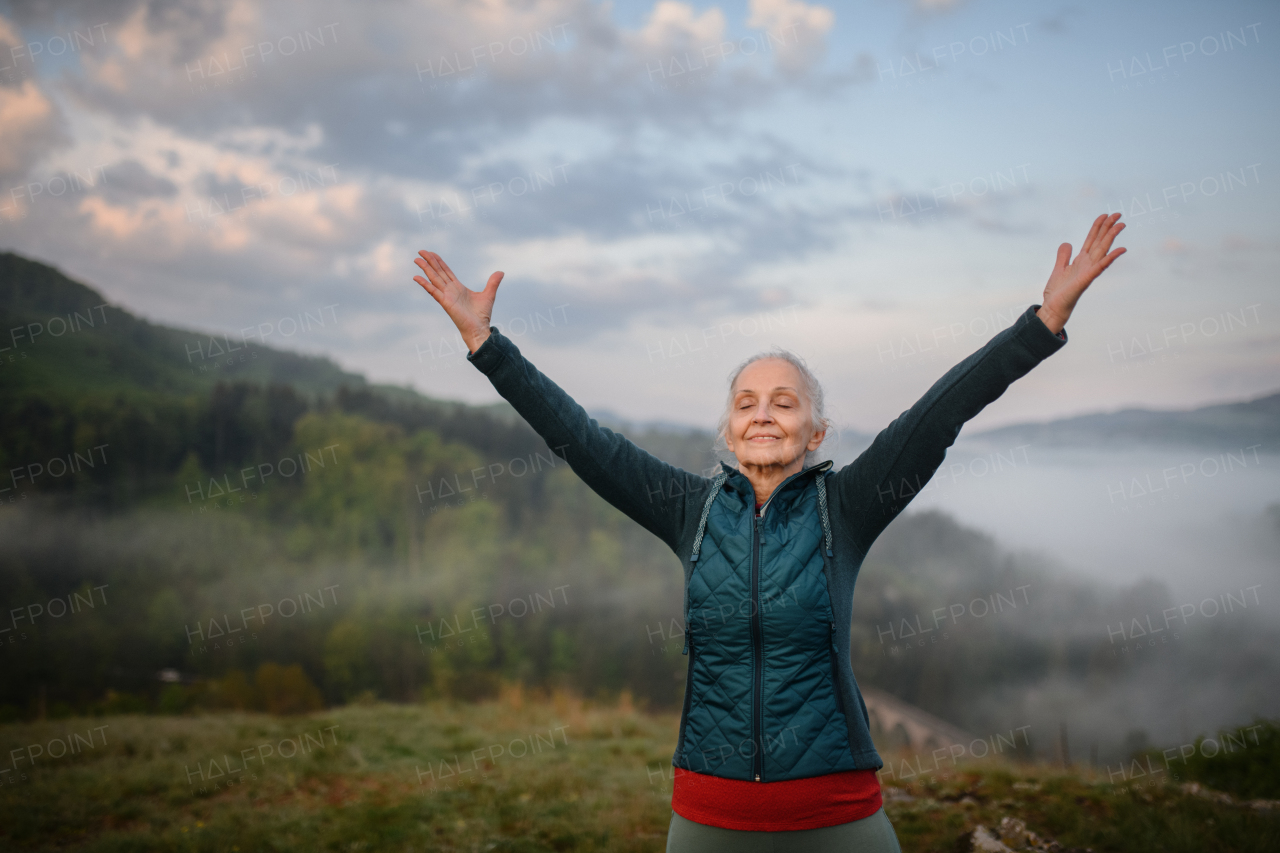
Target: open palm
{"type": "Point", "coordinates": [470, 311]}
{"type": "Point", "coordinates": [1069, 280]}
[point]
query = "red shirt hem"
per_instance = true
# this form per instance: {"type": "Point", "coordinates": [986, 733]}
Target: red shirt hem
{"type": "Point", "coordinates": [792, 804]}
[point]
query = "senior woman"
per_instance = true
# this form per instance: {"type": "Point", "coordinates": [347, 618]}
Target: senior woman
{"type": "Point", "coordinates": [775, 750]}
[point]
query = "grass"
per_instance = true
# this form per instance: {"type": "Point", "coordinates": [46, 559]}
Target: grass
{"type": "Point", "coordinates": [555, 774]}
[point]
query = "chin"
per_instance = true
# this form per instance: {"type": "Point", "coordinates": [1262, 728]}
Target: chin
{"type": "Point", "coordinates": [768, 456]}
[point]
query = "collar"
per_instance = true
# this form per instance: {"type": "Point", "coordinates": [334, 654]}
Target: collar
{"type": "Point", "coordinates": [740, 482]}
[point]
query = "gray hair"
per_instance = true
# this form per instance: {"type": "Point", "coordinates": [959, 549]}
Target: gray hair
{"type": "Point", "coordinates": [810, 387]}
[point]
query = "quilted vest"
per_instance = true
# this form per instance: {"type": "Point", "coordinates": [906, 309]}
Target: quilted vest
{"type": "Point", "coordinates": [761, 702]}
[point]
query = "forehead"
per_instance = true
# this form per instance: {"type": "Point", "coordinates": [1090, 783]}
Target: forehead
{"type": "Point", "coordinates": [767, 374]}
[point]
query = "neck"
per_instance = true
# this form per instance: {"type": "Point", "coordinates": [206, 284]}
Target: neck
{"type": "Point", "coordinates": [766, 478]}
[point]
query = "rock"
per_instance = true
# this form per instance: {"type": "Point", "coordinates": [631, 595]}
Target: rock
{"type": "Point", "coordinates": [1198, 790]}
{"type": "Point", "coordinates": [1012, 837]}
{"type": "Point", "coordinates": [984, 842]}
{"type": "Point", "coordinates": [1014, 833]}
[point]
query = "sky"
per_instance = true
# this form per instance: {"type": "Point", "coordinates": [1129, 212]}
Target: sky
{"type": "Point", "coordinates": [668, 187]}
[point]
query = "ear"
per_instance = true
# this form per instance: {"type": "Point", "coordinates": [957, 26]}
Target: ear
{"type": "Point", "coordinates": [815, 441]}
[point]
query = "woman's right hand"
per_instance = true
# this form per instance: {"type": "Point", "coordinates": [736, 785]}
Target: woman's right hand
{"type": "Point", "coordinates": [470, 311]}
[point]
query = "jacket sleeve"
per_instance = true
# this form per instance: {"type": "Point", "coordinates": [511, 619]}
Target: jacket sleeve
{"type": "Point", "coordinates": [651, 492]}
{"type": "Point", "coordinates": [877, 485]}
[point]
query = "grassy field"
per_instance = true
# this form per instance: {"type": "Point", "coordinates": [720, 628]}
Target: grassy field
{"type": "Point", "coordinates": [514, 774]}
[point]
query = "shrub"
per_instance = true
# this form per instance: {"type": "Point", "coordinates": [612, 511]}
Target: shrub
{"type": "Point", "coordinates": [286, 690]}
{"type": "Point", "coordinates": [1252, 771]}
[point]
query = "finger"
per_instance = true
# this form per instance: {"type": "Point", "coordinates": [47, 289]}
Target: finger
{"type": "Point", "coordinates": [427, 284]}
{"type": "Point", "coordinates": [433, 291]}
{"type": "Point", "coordinates": [424, 265]}
{"type": "Point", "coordinates": [433, 271]}
{"type": "Point", "coordinates": [491, 287]}
{"type": "Point", "coordinates": [441, 267]}
{"type": "Point", "coordinates": [430, 264]}
{"type": "Point", "coordinates": [1093, 233]}
{"type": "Point", "coordinates": [1111, 257]}
{"type": "Point", "coordinates": [437, 266]}
{"type": "Point", "coordinates": [1105, 245]}
{"type": "Point", "coordinates": [1107, 221]}
{"type": "Point", "coordinates": [1064, 257]}
{"type": "Point", "coordinates": [1102, 243]}
{"type": "Point", "coordinates": [1100, 226]}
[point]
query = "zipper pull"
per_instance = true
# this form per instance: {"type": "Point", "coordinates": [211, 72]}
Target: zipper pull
{"type": "Point", "coordinates": [757, 777]}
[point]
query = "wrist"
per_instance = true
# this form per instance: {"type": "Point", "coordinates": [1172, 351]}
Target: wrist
{"type": "Point", "coordinates": [476, 339]}
{"type": "Point", "coordinates": [1051, 320]}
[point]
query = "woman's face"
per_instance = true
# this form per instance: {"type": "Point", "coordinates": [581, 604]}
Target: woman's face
{"type": "Point", "coordinates": [770, 423]}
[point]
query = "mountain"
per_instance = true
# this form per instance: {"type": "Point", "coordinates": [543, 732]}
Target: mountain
{"type": "Point", "coordinates": [61, 336]}
{"type": "Point", "coordinates": [78, 373]}
{"type": "Point", "coordinates": [1242, 424]}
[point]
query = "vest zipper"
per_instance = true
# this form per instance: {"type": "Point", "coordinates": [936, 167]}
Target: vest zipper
{"type": "Point", "coordinates": [688, 694]}
{"type": "Point", "coordinates": [757, 720]}
{"type": "Point", "coordinates": [757, 631]}
{"type": "Point", "coordinates": [835, 670]}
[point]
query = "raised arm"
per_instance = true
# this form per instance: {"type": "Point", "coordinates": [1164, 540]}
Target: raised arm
{"type": "Point", "coordinates": [877, 485]}
{"type": "Point", "coordinates": [651, 492]}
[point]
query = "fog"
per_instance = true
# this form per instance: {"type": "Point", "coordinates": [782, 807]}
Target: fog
{"type": "Point", "coordinates": [1192, 518]}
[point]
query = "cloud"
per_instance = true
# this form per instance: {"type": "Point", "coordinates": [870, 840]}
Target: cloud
{"type": "Point", "coordinates": [673, 25]}
{"type": "Point", "coordinates": [30, 124]}
{"type": "Point", "coordinates": [131, 180]}
{"type": "Point", "coordinates": [211, 114]}
{"type": "Point", "coordinates": [260, 155]}
{"type": "Point", "coordinates": [414, 90]}
{"type": "Point", "coordinates": [218, 110]}
{"type": "Point", "coordinates": [805, 25]}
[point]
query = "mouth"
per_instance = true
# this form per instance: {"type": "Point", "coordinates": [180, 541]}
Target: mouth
{"type": "Point", "coordinates": [764, 438]}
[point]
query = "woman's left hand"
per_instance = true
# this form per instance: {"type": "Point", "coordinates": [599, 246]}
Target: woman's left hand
{"type": "Point", "coordinates": [1069, 280]}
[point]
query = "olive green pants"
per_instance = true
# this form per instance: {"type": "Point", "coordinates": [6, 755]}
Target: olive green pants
{"type": "Point", "coordinates": [872, 834]}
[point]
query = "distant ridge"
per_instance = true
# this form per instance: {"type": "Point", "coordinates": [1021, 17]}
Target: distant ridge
{"type": "Point", "coordinates": [1242, 424]}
